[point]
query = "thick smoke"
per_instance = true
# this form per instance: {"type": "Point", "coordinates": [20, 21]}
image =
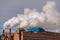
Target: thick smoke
{"type": "Point", "coordinates": [48, 18]}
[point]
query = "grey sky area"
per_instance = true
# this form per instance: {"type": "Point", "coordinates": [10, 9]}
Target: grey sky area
{"type": "Point", "coordinates": [10, 8]}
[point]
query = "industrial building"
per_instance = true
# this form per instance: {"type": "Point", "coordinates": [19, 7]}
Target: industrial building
{"type": "Point", "coordinates": [24, 35]}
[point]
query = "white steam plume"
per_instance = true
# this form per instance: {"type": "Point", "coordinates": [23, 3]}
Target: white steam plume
{"type": "Point", "coordinates": [14, 21]}
{"type": "Point", "coordinates": [52, 15]}
{"type": "Point", "coordinates": [7, 23]}
{"type": "Point", "coordinates": [23, 21]}
{"type": "Point", "coordinates": [48, 18]}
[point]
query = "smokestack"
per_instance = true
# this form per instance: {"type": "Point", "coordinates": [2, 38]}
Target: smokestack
{"type": "Point", "coordinates": [3, 35]}
{"type": "Point", "coordinates": [3, 31]}
{"type": "Point", "coordinates": [10, 31]}
{"type": "Point", "coordinates": [6, 37]}
{"type": "Point", "coordinates": [19, 32]}
{"type": "Point", "coordinates": [10, 34]}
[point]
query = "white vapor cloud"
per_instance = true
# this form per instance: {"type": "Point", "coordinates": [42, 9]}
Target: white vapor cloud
{"type": "Point", "coordinates": [48, 18]}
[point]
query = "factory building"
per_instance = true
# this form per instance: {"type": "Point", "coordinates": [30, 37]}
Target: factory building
{"type": "Point", "coordinates": [29, 35]}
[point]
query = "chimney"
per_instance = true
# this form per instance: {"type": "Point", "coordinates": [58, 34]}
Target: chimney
{"type": "Point", "coordinates": [3, 35]}
{"type": "Point", "coordinates": [19, 33]}
{"type": "Point", "coordinates": [6, 36]}
{"type": "Point", "coordinates": [3, 32]}
{"type": "Point", "coordinates": [10, 31]}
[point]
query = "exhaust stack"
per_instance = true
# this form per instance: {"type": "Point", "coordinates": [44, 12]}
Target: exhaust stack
{"type": "Point", "coordinates": [3, 35]}
{"type": "Point", "coordinates": [19, 31]}
{"type": "Point", "coordinates": [10, 31]}
{"type": "Point", "coordinates": [3, 32]}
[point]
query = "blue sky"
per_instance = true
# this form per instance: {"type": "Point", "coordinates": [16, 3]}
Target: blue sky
{"type": "Point", "coordinates": [10, 8]}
